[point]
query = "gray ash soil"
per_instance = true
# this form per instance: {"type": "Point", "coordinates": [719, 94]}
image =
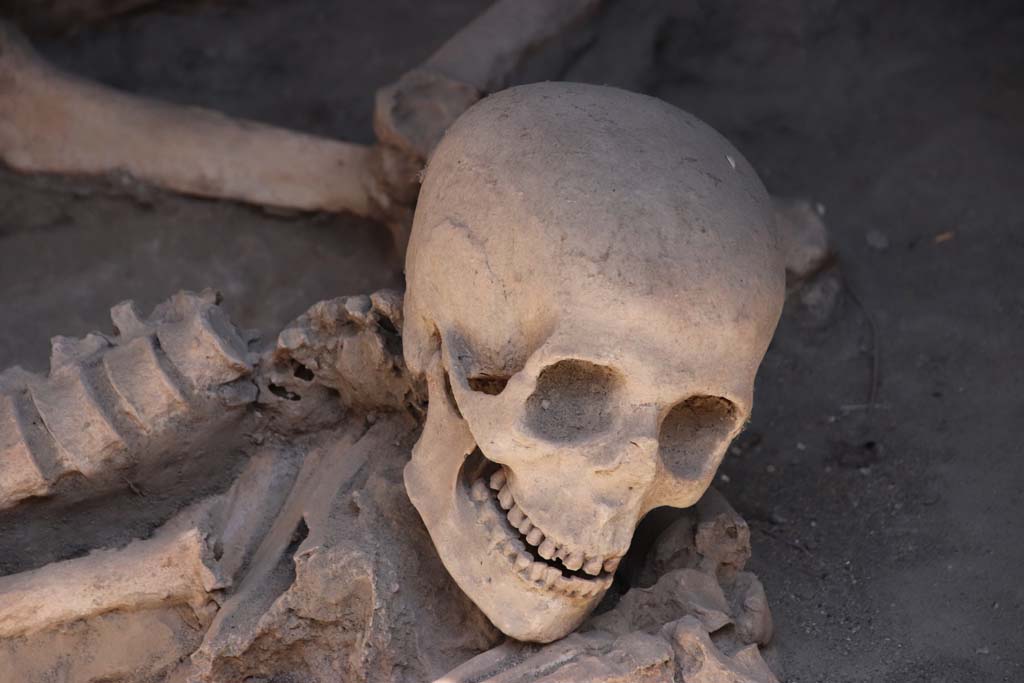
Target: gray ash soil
{"type": "Point", "coordinates": [888, 535]}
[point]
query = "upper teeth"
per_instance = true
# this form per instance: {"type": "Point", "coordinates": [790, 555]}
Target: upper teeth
{"type": "Point", "coordinates": [539, 573]}
{"type": "Point", "coordinates": [546, 547]}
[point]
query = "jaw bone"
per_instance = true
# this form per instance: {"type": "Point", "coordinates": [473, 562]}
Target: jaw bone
{"type": "Point", "coordinates": [692, 614]}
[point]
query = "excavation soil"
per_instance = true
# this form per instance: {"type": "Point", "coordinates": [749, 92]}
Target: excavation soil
{"type": "Point", "coordinates": [882, 474]}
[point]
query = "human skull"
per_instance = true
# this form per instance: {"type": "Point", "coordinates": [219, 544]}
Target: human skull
{"type": "Point", "coordinates": [593, 279]}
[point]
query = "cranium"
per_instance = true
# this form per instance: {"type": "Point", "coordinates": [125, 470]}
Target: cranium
{"type": "Point", "coordinates": [593, 279]}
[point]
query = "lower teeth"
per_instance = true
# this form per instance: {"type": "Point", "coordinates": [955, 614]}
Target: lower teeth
{"type": "Point", "coordinates": [537, 572]}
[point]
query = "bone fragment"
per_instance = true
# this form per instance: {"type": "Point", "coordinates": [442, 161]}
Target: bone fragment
{"type": "Point", "coordinates": [326, 471]}
{"type": "Point", "coordinates": [680, 592]}
{"type": "Point", "coordinates": [722, 538]}
{"type": "Point", "coordinates": [176, 566]}
{"type": "Point", "coordinates": [632, 642]}
{"type": "Point", "coordinates": [495, 50]}
{"type": "Point", "coordinates": [749, 609]}
{"type": "Point", "coordinates": [352, 345]}
{"type": "Point", "coordinates": [123, 646]}
{"type": "Point", "coordinates": [495, 659]}
{"type": "Point", "coordinates": [700, 661]}
{"type": "Point", "coordinates": [803, 236]}
{"type": "Point", "coordinates": [54, 122]}
{"type": "Point", "coordinates": [28, 456]}
{"type": "Point", "coordinates": [593, 657]}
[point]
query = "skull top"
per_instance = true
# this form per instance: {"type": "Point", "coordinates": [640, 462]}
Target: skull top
{"type": "Point", "coordinates": [593, 279]}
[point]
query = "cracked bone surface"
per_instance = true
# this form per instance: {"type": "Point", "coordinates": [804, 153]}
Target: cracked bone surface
{"type": "Point", "coordinates": [593, 278]}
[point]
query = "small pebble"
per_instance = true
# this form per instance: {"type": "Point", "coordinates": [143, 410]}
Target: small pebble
{"type": "Point", "coordinates": [877, 240]}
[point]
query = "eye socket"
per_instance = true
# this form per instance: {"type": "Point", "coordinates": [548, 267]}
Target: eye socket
{"type": "Point", "coordinates": [692, 431]}
{"type": "Point", "coordinates": [573, 400]}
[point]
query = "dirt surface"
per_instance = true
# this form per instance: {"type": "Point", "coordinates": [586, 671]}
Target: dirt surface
{"type": "Point", "coordinates": [886, 534]}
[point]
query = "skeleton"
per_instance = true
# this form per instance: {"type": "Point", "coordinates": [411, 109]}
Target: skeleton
{"type": "Point", "coordinates": [604, 387]}
{"type": "Point", "coordinates": [546, 424]}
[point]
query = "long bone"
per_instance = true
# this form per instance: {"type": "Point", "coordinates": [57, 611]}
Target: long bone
{"type": "Point", "coordinates": [201, 550]}
{"type": "Point", "coordinates": [512, 41]}
{"type": "Point", "coordinates": [175, 566]}
{"type": "Point", "coordinates": [53, 122]}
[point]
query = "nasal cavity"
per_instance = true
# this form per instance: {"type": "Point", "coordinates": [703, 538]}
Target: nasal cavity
{"type": "Point", "coordinates": [573, 401]}
{"type": "Point", "coordinates": [694, 433]}
{"type": "Point", "coordinates": [492, 385]}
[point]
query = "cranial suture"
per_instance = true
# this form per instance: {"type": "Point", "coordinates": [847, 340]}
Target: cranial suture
{"type": "Point", "coordinates": [593, 279]}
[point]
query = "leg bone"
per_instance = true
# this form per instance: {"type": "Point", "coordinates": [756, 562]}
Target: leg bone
{"type": "Point", "coordinates": [53, 122]}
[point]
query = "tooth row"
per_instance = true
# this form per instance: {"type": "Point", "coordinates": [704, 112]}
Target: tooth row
{"type": "Point", "coordinates": [545, 576]}
{"type": "Point", "coordinates": [540, 574]}
{"type": "Point", "coordinates": [546, 548]}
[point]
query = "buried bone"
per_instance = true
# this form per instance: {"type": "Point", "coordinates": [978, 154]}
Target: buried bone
{"type": "Point", "coordinates": [687, 626]}
{"type": "Point", "coordinates": [176, 566]}
{"type": "Point", "coordinates": [578, 377]}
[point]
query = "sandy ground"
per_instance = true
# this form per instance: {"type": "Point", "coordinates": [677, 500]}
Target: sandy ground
{"type": "Point", "coordinates": [888, 537]}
